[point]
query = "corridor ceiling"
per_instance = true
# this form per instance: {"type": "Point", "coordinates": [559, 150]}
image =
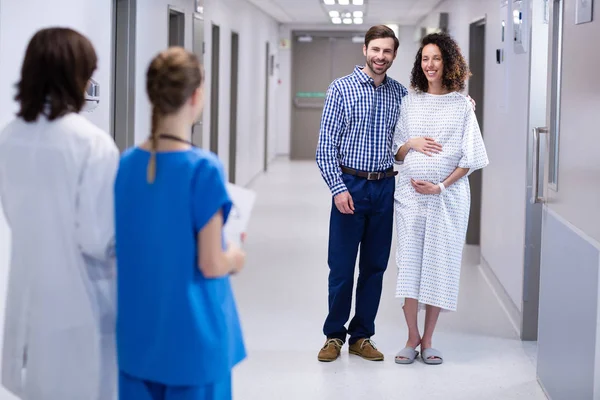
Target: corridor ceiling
{"type": "Point", "coordinates": [401, 12]}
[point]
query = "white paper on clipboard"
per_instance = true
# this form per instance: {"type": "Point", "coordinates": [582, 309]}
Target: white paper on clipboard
{"type": "Point", "coordinates": [243, 202]}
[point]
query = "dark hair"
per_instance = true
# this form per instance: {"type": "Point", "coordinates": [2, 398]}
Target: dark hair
{"type": "Point", "coordinates": [381, 32]}
{"type": "Point", "coordinates": [171, 79]}
{"type": "Point", "coordinates": [456, 70]}
{"type": "Point", "coordinates": [58, 64]}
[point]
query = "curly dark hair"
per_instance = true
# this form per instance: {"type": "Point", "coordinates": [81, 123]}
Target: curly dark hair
{"type": "Point", "coordinates": [456, 70]}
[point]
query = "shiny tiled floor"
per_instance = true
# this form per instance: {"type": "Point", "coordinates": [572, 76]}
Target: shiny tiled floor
{"type": "Point", "coordinates": [282, 296]}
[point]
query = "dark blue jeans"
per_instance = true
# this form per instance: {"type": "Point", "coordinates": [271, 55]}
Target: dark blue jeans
{"type": "Point", "coordinates": [370, 227]}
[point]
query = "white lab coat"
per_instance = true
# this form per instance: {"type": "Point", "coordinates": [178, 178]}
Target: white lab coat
{"type": "Point", "coordinates": [56, 189]}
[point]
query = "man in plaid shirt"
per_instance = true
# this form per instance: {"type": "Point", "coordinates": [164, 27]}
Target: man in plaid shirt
{"type": "Point", "coordinates": [356, 161]}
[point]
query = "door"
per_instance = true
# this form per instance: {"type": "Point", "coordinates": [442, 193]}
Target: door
{"type": "Point", "coordinates": [476, 91]}
{"type": "Point", "coordinates": [570, 195]}
{"type": "Point", "coordinates": [316, 61]}
{"type": "Point", "coordinates": [214, 89]}
{"type": "Point", "coordinates": [535, 171]}
{"type": "Point", "coordinates": [176, 27]}
{"type": "Point", "coordinates": [235, 46]}
{"type": "Point", "coordinates": [198, 49]}
{"type": "Point", "coordinates": [123, 74]}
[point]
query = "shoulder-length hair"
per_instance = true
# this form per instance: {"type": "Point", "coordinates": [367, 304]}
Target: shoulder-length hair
{"type": "Point", "coordinates": [456, 70]}
{"type": "Point", "coordinates": [58, 64]}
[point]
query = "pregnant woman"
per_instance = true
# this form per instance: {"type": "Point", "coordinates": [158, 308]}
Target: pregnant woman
{"type": "Point", "coordinates": [439, 143]}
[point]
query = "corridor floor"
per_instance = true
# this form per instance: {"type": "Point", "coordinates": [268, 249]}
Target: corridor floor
{"type": "Point", "coordinates": [282, 297]}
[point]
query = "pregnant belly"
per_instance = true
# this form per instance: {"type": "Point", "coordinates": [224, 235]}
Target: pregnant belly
{"type": "Point", "coordinates": [422, 167]}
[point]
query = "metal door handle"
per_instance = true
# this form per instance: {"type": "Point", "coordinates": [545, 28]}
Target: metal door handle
{"type": "Point", "coordinates": [536, 198]}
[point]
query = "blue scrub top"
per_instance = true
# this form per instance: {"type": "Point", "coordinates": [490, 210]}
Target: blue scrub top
{"type": "Point", "coordinates": [174, 326]}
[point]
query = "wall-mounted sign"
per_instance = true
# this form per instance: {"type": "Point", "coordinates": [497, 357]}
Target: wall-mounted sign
{"type": "Point", "coordinates": [583, 11]}
{"type": "Point", "coordinates": [285, 44]}
{"type": "Point", "coordinates": [313, 95]}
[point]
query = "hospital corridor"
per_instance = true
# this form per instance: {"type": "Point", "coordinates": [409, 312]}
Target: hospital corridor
{"type": "Point", "coordinates": [299, 200]}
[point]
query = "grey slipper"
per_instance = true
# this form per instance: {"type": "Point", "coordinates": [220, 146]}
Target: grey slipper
{"type": "Point", "coordinates": [427, 353]}
{"type": "Point", "coordinates": [408, 353]}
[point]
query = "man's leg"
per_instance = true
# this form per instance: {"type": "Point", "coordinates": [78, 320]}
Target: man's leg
{"type": "Point", "coordinates": [345, 233]}
{"type": "Point", "coordinates": [374, 255]}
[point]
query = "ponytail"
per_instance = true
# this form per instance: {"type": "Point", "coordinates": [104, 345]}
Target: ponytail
{"type": "Point", "coordinates": [151, 170]}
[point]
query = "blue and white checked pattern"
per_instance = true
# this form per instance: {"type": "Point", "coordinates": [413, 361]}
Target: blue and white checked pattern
{"type": "Point", "coordinates": [357, 126]}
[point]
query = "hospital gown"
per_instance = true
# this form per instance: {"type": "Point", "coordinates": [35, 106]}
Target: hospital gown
{"type": "Point", "coordinates": [56, 189]}
{"type": "Point", "coordinates": [431, 229]}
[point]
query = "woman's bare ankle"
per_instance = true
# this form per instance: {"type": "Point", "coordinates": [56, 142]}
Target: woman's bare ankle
{"type": "Point", "coordinates": [413, 342]}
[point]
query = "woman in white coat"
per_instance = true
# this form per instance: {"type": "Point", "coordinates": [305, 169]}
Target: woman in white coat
{"type": "Point", "coordinates": [56, 187]}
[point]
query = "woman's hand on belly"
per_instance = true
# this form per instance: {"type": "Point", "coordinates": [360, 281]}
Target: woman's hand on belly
{"type": "Point", "coordinates": [424, 187]}
{"type": "Point", "coordinates": [425, 145]}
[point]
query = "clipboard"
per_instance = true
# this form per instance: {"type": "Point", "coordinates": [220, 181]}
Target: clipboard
{"type": "Point", "coordinates": [243, 200]}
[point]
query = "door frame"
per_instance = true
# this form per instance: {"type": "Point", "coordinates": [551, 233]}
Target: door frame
{"type": "Point", "coordinates": [181, 16]}
{"type": "Point", "coordinates": [122, 102]}
{"type": "Point", "coordinates": [476, 179]}
{"type": "Point", "coordinates": [198, 127]}
{"type": "Point", "coordinates": [214, 87]}
{"type": "Point", "coordinates": [233, 109]}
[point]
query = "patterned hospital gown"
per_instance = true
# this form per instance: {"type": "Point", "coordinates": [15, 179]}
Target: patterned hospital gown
{"type": "Point", "coordinates": [431, 229]}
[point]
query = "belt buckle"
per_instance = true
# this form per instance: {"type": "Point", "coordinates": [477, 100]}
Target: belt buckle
{"type": "Point", "coordinates": [373, 176]}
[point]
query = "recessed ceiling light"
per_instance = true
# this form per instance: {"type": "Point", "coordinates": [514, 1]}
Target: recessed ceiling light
{"type": "Point", "coordinates": [334, 14]}
{"type": "Point", "coordinates": [347, 20]}
{"type": "Point", "coordinates": [358, 21]}
{"type": "Point", "coordinates": [344, 2]}
{"type": "Point", "coordinates": [357, 2]}
{"type": "Point", "coordinates": [336, 20]}
{"type": "Point", "coordinates": [357, 14]}
{"type": "Point", "coordinates": [329, 2]}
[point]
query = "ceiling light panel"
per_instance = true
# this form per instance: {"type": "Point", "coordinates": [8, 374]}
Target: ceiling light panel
{"type": "Point", "coordinates": [345, 11]}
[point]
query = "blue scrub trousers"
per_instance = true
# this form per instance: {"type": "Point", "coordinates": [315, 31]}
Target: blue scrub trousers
{"type": "Point", "coordinates": [131, 388]}
{"type": "Point", "coordinates": [370, 227]}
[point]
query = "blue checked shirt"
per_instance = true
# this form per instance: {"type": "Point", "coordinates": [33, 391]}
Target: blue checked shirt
{"type": "Point", "coordinates": [357, 126]}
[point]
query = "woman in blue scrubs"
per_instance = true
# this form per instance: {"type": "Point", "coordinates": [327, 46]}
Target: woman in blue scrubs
{"type": "Point", "coordinates": [178, 332]}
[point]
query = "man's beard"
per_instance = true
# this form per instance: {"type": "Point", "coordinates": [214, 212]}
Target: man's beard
{"type": "Point", "coordinates": [372, 67]}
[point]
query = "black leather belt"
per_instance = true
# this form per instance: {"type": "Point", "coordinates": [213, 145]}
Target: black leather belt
{"type": "Point", "coordinates": [370, 176]}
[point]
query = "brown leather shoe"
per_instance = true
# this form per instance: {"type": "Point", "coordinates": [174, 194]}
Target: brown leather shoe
{"type": "Point", "coordinates": [331, 350]}
{"type": "Point", "coordinates": [366, 349]}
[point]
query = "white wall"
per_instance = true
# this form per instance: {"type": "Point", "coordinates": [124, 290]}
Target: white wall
{"type": "Point", "coordinates": [255, 28]}
{"type": "Point", "coordinates": [505, 133]}
{"type": "Point", "coordinates": [19, 20]}
{"type": "Point", "coordinates": [405, 59]}
{"type": "Point", "coordinates": [400, 71]}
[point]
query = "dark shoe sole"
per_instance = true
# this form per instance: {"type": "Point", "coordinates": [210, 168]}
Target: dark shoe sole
{"type": "Point", "coordinates": [356, 353]}
{"type": "Point", "coordinates": [323, 359]}
{"type": "Point", "coordinates": [327, 359]}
